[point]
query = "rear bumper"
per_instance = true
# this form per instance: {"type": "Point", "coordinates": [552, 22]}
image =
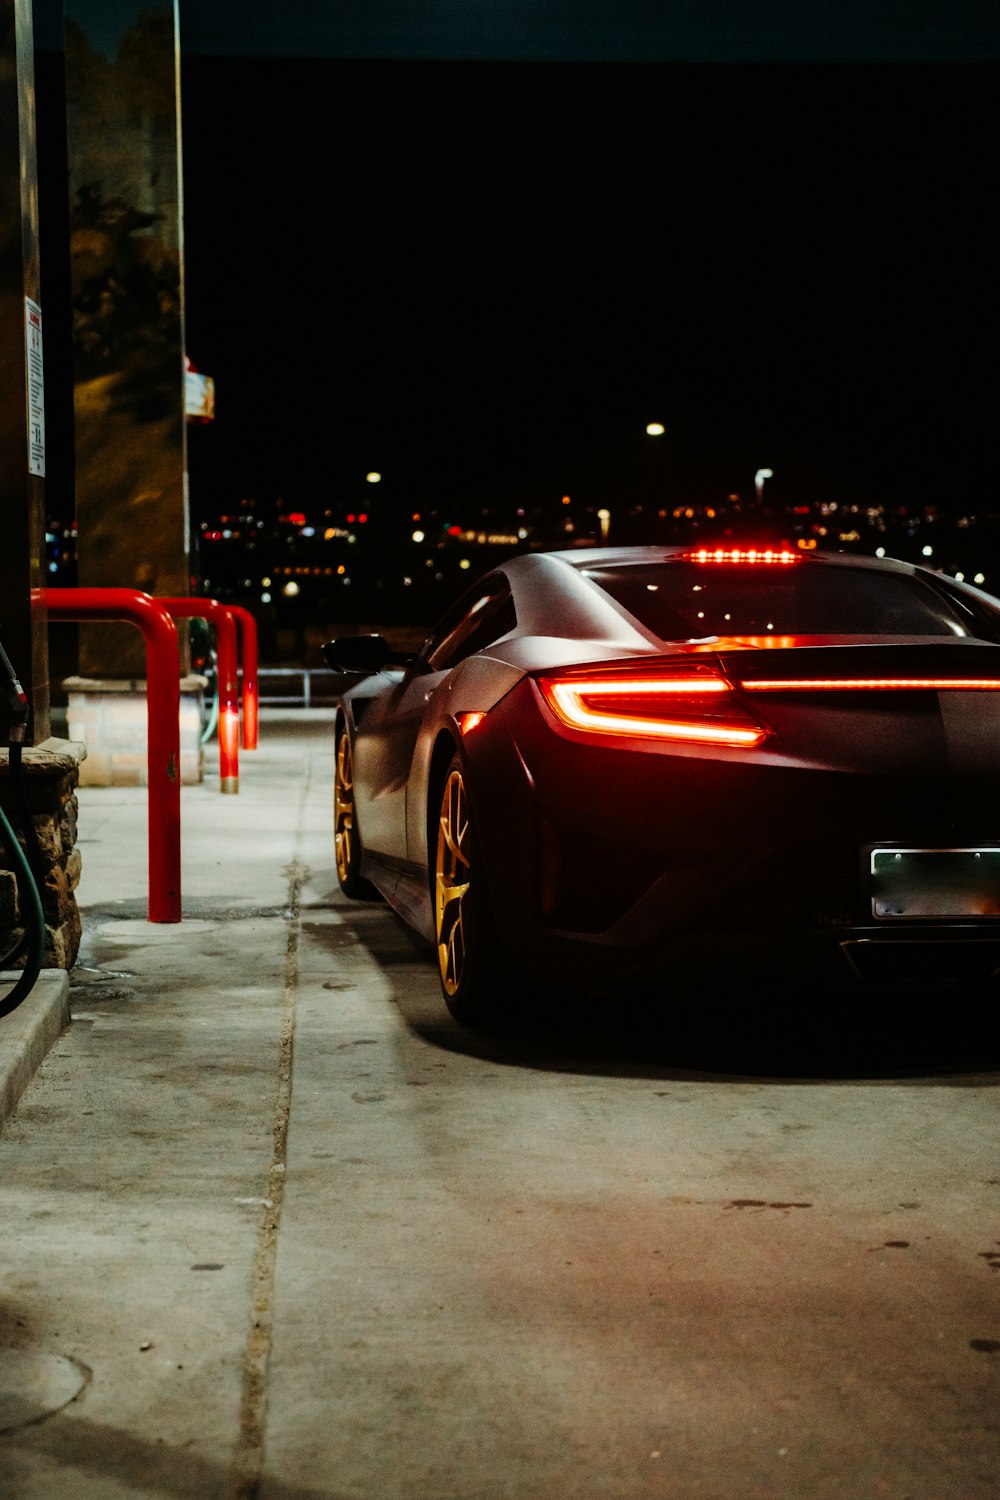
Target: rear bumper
{"type": "Point", "coordinates": [859, 958]}
{"type": "Point", "coordinates": [606, 862]}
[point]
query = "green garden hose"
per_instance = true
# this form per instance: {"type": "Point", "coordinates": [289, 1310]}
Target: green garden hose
{"type": "Point", "coordinates": [32, 916]}
{"type": "Point", "coordinates": [29, 880]}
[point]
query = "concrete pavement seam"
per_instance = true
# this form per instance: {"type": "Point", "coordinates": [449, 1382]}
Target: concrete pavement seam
{"type": "Point", "coordinates": [249, 1455]}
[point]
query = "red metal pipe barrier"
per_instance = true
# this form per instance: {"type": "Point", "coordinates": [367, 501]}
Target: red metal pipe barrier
{"type": "Point", "coordinates": [221, 616]}
{"type": "Point", "coordinates": [163, 708]}
{"type": "Point", "coordinates": [248, 640]}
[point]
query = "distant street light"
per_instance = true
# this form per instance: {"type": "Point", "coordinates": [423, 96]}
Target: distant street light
{"type": "Point", "coordinates": [655, 429]}
{"type": "Point", "coordinates": [373, 477]}
{"type": "Point", "coordinates": [758, 480]}
{"type": "Point", "coordinates": [604, 516]}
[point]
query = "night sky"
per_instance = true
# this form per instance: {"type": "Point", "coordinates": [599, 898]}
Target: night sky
{"type": "Point", "coordinates": [483, 277]}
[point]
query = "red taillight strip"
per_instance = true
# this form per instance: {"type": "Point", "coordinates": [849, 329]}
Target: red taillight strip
{"type": "Point", "coordinates": [569, 702]}
{"type": "Point", "coordinates": [639, 687]}
{"type": "Point", "coordinates": [873, 684]}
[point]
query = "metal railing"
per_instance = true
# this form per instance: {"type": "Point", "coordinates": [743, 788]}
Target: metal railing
{"type": "Point", "coordinates": [296, 687]}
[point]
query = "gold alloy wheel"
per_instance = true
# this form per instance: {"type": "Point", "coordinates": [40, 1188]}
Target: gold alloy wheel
{"type": "Point", "coordinates": [343, 809]}
{"type": "Point", "coordinates": [451, 881]}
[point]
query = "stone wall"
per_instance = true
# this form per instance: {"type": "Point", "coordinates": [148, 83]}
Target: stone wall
{"type": "Point", "coordinates": [51, 775]}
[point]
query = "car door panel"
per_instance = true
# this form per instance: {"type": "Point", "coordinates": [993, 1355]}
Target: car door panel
{"type": "Point", "coordinates": [383, 755]}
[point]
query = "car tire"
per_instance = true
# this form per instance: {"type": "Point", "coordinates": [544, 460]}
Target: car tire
{"type": "Point", "coordinates": [471, 965]}
{"type": "Point", "coordinates": [346, 839]}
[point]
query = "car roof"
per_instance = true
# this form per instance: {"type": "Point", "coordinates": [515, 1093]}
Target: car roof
{"type": "Point", "coordinates": [584, 558]}
{"type": "Point", "coordinates": [561, 592]}
{"type": "Point", "coordinates": [549, 591]}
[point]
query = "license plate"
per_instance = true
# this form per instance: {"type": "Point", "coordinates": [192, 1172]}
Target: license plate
{"type": "Point", "coordinates": [935, 883]}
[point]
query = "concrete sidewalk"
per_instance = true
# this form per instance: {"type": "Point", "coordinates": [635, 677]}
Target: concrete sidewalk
{"type": "Point", "coordinates": [142, 1159]}
{"type": "Point", "coordinates": [218, 868]}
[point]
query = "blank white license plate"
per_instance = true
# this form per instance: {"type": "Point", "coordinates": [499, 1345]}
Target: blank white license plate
{"type": "Point", "coordinates": [935, 883]}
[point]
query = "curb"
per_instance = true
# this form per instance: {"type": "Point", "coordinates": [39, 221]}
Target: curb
{"type": "Point", "coordinates": [29, 1031]}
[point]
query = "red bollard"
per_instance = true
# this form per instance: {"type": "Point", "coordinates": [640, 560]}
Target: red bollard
{"type": "Point", "coordinates": [248, 638]}
{"type": "Point", "coordinates": [163, 708]}
{"type": "Point", "coordinates": [221, 617]}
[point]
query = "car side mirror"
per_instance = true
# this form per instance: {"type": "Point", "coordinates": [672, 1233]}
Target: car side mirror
{"type": "Point", "coordinates": [360, 654]}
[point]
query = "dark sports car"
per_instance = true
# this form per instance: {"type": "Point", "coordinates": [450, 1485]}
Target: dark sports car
{"type": "Point", "coordinates": [608, 764]}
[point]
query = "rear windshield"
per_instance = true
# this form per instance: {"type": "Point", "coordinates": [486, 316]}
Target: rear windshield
{"type": "Point", "coordinates": [684, 601]}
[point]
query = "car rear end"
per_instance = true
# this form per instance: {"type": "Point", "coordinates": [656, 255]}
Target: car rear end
{"type": "Point", "coordinates": [793, 804]}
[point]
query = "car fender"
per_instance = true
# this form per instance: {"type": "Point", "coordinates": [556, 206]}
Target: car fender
{"type": "Point", "coordinates": [475, 686]}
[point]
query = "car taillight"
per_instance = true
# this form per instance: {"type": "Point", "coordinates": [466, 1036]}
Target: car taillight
{"type": "Point", "coordinates": [684, 703]}
{"type": "Point", "coordinates": [873, 684]}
